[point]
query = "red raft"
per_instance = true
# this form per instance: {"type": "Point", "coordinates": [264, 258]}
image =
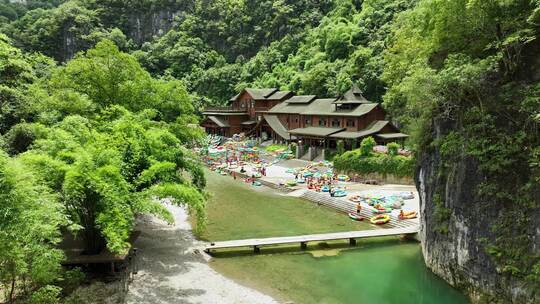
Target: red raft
{"type": "Point", "coordinates": [356, 217]}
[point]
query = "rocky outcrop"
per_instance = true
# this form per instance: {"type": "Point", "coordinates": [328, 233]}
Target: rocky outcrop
{"type": "Point", "coordinates": [453, 236]}
{"type": "Point", "coordinates": [142, 26]}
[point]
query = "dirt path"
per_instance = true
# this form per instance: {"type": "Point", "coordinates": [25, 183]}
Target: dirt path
{"type": "Point", "coordinates": [170, 272]}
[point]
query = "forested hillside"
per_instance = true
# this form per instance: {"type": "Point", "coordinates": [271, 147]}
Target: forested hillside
{"type": "Point", "coordinates": [463, 76]}
{"type": "Point", "coordinates": [85, 148]}
{"type": "Point", "coordinates": [97, 97]}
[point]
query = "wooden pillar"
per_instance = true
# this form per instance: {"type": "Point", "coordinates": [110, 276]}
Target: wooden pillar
{"type": "Point", "coordinates": [352, 241]}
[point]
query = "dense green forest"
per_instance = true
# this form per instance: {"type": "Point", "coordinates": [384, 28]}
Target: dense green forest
{"type": "Point", "coordinates": [98, 98]}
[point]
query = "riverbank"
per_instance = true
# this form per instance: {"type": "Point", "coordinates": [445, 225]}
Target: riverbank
{"type": "Point", "coordinates": [171, 271]}
{"type": "Point", "coordinates": [381, 270]}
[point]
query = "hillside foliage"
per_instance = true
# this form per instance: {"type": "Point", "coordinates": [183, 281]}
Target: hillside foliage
{"type": "Point", "coordinates": [91, 144]}
{"type": "Point", "coordinates": [98, 98]}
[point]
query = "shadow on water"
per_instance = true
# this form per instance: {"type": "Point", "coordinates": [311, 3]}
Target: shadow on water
{"type": "Point", "coordinates": [383, 270]}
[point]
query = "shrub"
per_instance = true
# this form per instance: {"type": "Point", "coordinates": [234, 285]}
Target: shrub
{"type": "Point", "coordinates": [356, 161]}
{"type": "Point", "coordinates": [393, 148]}
{"type": "Point", "coordinates": [366, 146]}
{"type": "Point", "coordinates": [340, 147]}
{"type": "Point", "coordinates": [275, 147]}
{"type": "Point", "coordinates": [46, 295]}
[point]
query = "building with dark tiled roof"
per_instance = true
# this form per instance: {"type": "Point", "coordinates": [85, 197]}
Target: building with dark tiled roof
{"type": "Point", "coordinates": [243, 115]}
{"type": "Point", "coordinates": [317, 122]}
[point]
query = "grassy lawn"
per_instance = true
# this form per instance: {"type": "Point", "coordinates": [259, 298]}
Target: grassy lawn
{"type": "Point", "coordinates": [238, 210]}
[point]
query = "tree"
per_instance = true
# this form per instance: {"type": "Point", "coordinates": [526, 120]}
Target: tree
{"type": "Point", "coordinates": [110, 139]}
{"type": "Point", "coordinates": [30, 220]}
{"type": "Point", "coordinates": [17, 71]}
{"type": "Point", "coordinates": [366, 146]}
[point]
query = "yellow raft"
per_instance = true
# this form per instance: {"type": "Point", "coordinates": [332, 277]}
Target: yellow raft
{"type": "Point", "coordinates": [380, 219]}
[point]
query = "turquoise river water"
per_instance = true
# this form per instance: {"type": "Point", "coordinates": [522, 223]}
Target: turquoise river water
{"type": "Point", "coordinates": [376, 271]}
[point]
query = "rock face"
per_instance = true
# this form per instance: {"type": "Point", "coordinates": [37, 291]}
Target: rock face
{"type": "Point", "coordinates": [143, 25]}
{"type": "Point", "coordinates": [458, 254]}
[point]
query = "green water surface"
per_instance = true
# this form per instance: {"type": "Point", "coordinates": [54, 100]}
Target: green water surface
{"type": "Point", "coordinates": [376, 271]}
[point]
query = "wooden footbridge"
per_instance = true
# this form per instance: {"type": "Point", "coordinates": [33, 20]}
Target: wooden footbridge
{"type": "Point", "coordinates": [304, 239]}
{"type": "Point", "coordinates": [394, 228]}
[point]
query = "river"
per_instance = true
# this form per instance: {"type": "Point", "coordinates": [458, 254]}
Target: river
{"type": "Point", "coordinates": [378, 271]}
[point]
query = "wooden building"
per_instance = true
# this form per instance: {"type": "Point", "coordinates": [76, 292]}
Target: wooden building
{"type": "Point", "coordinates": [323, 121]}
{"type": "Point", "coordinates": [317, 122]}
{"type": "Point", "coordinates": [243, 113]}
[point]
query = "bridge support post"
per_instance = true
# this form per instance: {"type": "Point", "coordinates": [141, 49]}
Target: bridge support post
{"type": "Point", "coordinates": [303, 245]}
{"type": "Point", "coordinates": [352, 241]}
{"type": "Point", "coordinates": [256, 249]}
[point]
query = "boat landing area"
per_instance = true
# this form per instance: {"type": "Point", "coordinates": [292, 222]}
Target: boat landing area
{"type": "Point", "coordinates": [304, 239]}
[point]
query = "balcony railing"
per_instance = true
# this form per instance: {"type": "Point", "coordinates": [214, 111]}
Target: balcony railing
{"type": "Point", "coordinates": [224, 109]}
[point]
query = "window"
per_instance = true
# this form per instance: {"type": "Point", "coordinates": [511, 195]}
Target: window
{"type": "Point", "coordinates": [350, 122]}
{"type": "Point", "coordinates": [322, 122]}
{"type": "Point", "coordinates": [307, 121]}
{"type": "Point", "coordinates": [336, 122]}
{"type": "Point", "coordinates": [296, 120]}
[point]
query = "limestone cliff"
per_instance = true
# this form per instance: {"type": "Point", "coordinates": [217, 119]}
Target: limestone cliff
{"type": "Point", "coordinates": [453, 239]}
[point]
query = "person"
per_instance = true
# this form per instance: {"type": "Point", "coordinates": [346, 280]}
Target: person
{"type": "Point", "coordinates": [234, 175]}
{"type": "Point", "coordinates": [358, 208]}
{"type": "Point", "coordinates": [332, 191]}
{"type": "Point", "coordinates": [401, 214]}
{"type": "Point", "coordinates": [253, 179]}
{"type": "Point", "coordinates": [242, 170]}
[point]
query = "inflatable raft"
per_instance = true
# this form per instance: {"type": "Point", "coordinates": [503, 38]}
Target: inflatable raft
{"type": "Point", "coordinates": [380, 219]}
{"type": "Point", "coordinates": [381, 209]}
{"type": "Point", "coordinates": [343, 178]}
{"type": "Point", "coordinates": [340, 193]}
{"type": "Point", "coordinates": [291, 183]}
{"type": "Point", "coordinates": [356, 217]}
{"type": "Point", "coordinates": [407, 215]}
{"type": "Point", "coordinates": [354, 198]}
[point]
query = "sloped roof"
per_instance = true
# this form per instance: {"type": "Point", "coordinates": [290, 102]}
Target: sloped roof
{"type": "Point", "coordinates": [219, 122]}
{"type": "Point", "coordinates": [373, 128]}
{"type": "Point", "coordinates": [278, 95]}
{"type": "Point", "coordinates": [392, 135]}
{"type": "Point", "coordinates": [352, 96]}
{"type": "Point", "coordinates": [301, 99]}
{"type": "Point", "coordinates": [322, 106]}
{"type": "Point", "coordinates": [326, 107]}
{"type": "Point", "coordinates": [277, 126]}
{"type": "Point", "coordinates": [315, 131]}
{"type": "Point", "coordinates": [287, 108]}
{"type": "Point", "coordinates": [263, 94]}
{"type": "Point", "coordinates": [213, 113]}
{"type": "Point", "coordinates": [259, 94]}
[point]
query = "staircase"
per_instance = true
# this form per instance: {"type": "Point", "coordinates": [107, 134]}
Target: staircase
{"type": "Point", "coordinates": [344, 205]}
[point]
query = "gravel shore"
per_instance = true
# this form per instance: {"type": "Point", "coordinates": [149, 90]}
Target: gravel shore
{"type": "Point", "coordinates": [169, 271]}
